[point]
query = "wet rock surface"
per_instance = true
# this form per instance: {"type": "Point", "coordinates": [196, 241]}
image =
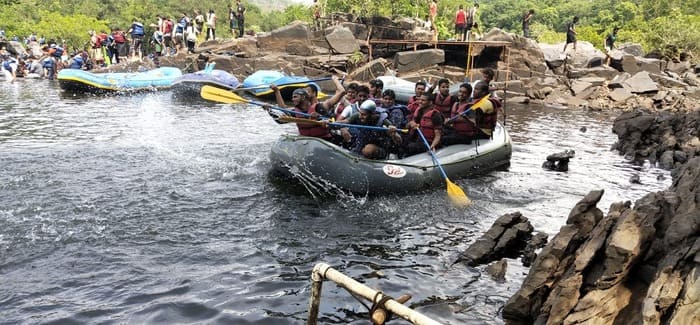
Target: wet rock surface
{"type": "Point", "coordinates": [637, 264]}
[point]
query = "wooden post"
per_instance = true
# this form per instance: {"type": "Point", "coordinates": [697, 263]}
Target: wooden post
{"type": "Point", "coordinates": [315, 302]}
{"type": "Point", "coordinates": [323, 270]}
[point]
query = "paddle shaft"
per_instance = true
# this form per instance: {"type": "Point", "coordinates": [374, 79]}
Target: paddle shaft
{"type": "Point", "coordinates": [432, 154]}
{"type": "Point", "coordinates": [229, 97]}
{"type": "Point", "coordinates": [343, 125]}
{"type": "Point", "coordinates": [282, 84]}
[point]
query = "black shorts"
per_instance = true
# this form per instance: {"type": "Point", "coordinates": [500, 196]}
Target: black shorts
{"type": "Point", "coordinates": [570, 38]}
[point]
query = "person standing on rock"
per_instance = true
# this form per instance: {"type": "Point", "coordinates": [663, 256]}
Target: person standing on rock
{"type": "Point", "coordinates": [211, 25]}
{"type": "Point", "coordinates": [460, 24]}
{"type": "Point", "coordinates": [571, 34]}
{"type": "Point", "coordinates": [240, 11]}
{"type": "Point", "coordinates": [136, 31]}
{"type": "Point", "coordinates": [233, 21]}
{"type": "Point", "coordinates": [526, 22]}
{"type": "Point", "coordinates": [433, 13]}
{"type": "Point", "coordinates": [472, 23]}
{"type": "Point", "coordinates": [198, 22]}
{"type": "Point", "coordinates": [610, 44]}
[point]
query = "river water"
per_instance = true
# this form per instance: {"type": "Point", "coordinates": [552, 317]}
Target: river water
{"type": "Point", "coordinates": [144, 209]}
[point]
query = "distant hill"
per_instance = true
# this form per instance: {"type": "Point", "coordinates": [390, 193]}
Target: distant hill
{"type": "Point", "coordinates": [266, 5]}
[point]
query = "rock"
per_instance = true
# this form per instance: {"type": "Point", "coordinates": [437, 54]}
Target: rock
{"type": "Point", "coordinates": [641, 83]}
{"type": "Point", "coordinates": [370, 71]}
{"type": "Point", "coordinates": [536, 242]}
{"type": "Point", "coordinates": [360, 31]}
{"type": "Point", "coordinates": [635, 179]}
{"type": "Point", "coordinates": [559, 161]}
{"type": "Point", "coordinates": [667, 81]}
{"type": "Point", "coordinates": [415, 60]}
{"type": "Point", "coordinates": [277, 39]}
{"type": "Point", "coordinates": [507, 237]}
{"type": "Point", "coordinates": [578, 86]}
{"type": "Point", "coordinates": [248, 47]}
{"type": "Point", "coordinates": [497, 270]}
{"type": "Point", "coordinates": [595, 81]}
{"type": "Point", "coordinates": [618, 81]}
{"type": "Point", "coordinates": [666, 160]}
{"type": "Point", "coordinates": [620, 95]}
{"type": "Point", "coordinates": [342, 40]}
{"type": "Point", "coordinates": [296, 47]}
{"type": "Point", "coordinates": [631, 48]}
{"type": "Point", "coordinates": [629, 64]}
{"type": "Point", "coordinates": [678, 67]}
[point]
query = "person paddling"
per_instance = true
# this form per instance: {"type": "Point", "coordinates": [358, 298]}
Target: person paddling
{"type": "Point", "coordinates": [303, 104]}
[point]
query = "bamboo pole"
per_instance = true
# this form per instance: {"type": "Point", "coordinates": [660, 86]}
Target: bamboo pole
{"type": "Point", "coordinates": [324, 271]}
{"type": "Point", "coordinates": [315, 302]}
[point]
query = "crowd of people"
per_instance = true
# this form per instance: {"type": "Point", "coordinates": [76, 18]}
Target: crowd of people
{"type": "Point", "coordinates": [442, 118]}
{"type": "Point", "coordinates": [170, 36]}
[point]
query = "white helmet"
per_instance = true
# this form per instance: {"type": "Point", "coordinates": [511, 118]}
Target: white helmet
{"type": "Point", "coordinates": [368, 105]}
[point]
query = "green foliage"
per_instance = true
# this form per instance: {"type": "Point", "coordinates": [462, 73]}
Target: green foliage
{"type": "Point", "coordinates": [652, 23]}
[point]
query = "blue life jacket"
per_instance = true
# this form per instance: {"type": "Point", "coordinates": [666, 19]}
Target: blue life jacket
{"type": "Point", "coordinates": [59, 51]}
{"type": "Point", "coordinates": [362, 137]}
{"type": "Point", "coordinates": [180, 28]}
{"type": "Point", "coordinates": [398, 115]}
{"type": "Point", "coordinates": [6, 65]}
{"type": "Point", "coordinates": [48, 63]}
{"type": "Point", "coordinates": [77, 63]}
{"type": "Point", "coordinates": [137, 29]}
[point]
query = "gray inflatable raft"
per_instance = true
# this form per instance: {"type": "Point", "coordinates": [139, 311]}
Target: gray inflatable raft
{"type": "Point", "coordinates": [319, 161]}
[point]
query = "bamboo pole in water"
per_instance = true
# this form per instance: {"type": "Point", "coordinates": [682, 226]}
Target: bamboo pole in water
{"type": "Point", "coordinates": [324, 271]}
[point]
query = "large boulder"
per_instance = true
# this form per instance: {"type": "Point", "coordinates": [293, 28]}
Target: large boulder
{"type": "Point", "coordinates": [415, 60]}
{"type": "Point", "coordinates": [369, 71]}
{"type": "Point", "coordinates": [341, 40]}
{"type": "Point", "coordinates": [526, 57]}
{"type": "Point", "coordinates": [641, 83]}
{"type": "Point", "coordinates": [277, 39]}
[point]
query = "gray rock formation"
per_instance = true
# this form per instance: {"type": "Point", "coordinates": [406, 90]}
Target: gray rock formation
{"type": "Point", "coordinates": [631, 266]}
{"type": "Point", "coordinates": [506, 238]}
{"type": "Point", "coordinates": [645, 136]}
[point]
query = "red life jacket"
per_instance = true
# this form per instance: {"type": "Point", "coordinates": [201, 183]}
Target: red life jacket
{"type": "Point", "coordinates": [312, 130]}
{"type": "Point", "coordinates": [168, 27]}
{"type": "Point", "coordinates": [103, 39]}
{"type": "Point", "coordinates": [462, 126]}
{"type": "Point", "coordinates": [118, 37]}
{"type": "Point", "coordinates": [412, 107]}
{"type": "Point", "coordinates": [426, 125]}
{"type": "Point", "coordinates": [444, 104]}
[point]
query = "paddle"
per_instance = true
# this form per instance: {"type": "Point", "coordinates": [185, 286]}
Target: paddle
{"type": "Point", "coordinates": [454, 192]}
{"type": "Point", "coordinates": [225, 96]}
{"type": "Point", "coordinates": [344, 125]}
{"type": "Point", "coordinates": [283, 84]}
{"type": "Point", "coordinates": [477, 104]}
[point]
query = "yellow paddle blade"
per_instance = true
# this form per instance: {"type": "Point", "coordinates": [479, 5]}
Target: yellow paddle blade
{"type": "Point", "coordinates": [221, 95]}
{"type": "Point", "coordinates": [457, 195]}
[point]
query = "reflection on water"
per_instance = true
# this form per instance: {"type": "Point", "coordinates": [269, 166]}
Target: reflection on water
{"type": "Point", "coordinates": [146, 209]}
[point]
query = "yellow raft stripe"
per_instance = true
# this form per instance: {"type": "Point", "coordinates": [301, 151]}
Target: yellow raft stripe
{"type": "Point", "coordinates": [93, 84]}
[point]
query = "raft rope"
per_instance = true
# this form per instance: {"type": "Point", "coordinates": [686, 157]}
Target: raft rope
{"type": "Point", "coordinates": [380, 304]}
